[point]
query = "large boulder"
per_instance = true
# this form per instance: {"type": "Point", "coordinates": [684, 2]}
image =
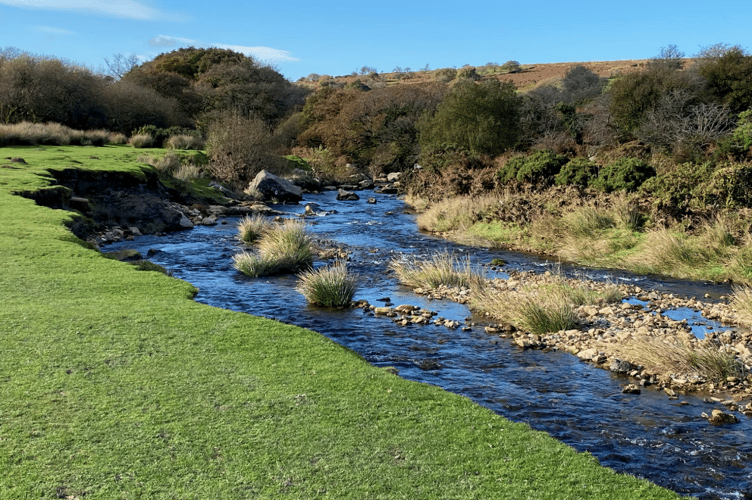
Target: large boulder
{"type": "Point", "coordinates": [271, 187]}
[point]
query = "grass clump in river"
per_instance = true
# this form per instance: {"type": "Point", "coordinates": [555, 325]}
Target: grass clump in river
{"type": "Point", "coordinates": [329, 286]}
{"type": "Point", "coordinates": [252, 227]}
{"type": "Point", "coordinates": [542, 306]}
{"type": "Point", "coordinates": [286, 248]}
{"type": "Point", "coordinates": [707, 359]}
{"type": "Point", "coordinates": [442, 269]}
{"type": "Point", "coordinates": [116, 384]}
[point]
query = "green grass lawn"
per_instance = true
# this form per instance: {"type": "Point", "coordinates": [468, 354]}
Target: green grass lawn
{"type": "Point", "coordinates": [115, 384]}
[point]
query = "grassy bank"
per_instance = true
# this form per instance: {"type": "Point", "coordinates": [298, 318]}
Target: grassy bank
{"type": "Point", "coordinates": [115, 384]}
{"type": "Point", "coordinates": [595, 229]}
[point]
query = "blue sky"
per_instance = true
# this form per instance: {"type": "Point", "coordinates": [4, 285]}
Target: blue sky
{"type": "Point", "coordinates": [337, 37]}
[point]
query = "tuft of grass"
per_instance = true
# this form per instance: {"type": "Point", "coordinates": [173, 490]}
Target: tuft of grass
{"type": "Point", "coordinates": [330, 286]}
{"type": "Point", "coordinates": [711, 362]}
{"type": "Point", "coordinates": [283, 249]}
{"type": "Point", "coordinates": [252, 227]}
{"type": "Point", "coordinates": [543, 308]}
{"type": "Point", "coordinates": [546, 312]}
{"type": "Point", "coordinates": [141, 141]}
{"type": "Point", "coordinates": [184, 141]}
{"type": "Point", "coordinates": [589, 222]}
{"type": "Point", "coordinates": [54, 134]}
{"type": "Point", "coordinates": [442, 269]}
{"type": "Point", "coordinates": [742, 302]}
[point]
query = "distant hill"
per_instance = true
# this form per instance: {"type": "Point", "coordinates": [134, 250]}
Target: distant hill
{"type": "Point", "coordinates": [529, 76]}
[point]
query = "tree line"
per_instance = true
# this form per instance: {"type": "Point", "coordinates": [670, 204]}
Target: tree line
{"type": "Point", "coordinates": [690, 110]}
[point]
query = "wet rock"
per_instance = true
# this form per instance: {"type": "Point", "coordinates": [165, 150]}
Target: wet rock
{"type": "Point", "coordinates": [631, 389]}
{"type": "Point", "coordinates": [272, 187]}
{"type": "Point", "coordinates": [344, 195]}
{"type": "Point", "coordinates": [406, 308]}
{"type": "Point", "coordinates": [718, 417]}
{"type": "Point", "coordinates": [620, 366]}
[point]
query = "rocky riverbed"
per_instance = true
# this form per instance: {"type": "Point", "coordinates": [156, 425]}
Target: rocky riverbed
{"type": "Point", "coordinates": [633, 337]}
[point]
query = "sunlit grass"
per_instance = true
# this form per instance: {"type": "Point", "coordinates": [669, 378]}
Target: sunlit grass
{"type": "Point", "coordinates": [329, 286]}
{"type": "Point", "coordinates": [442, 268]}
{"type": "Point", "coordinates": [282, 249]}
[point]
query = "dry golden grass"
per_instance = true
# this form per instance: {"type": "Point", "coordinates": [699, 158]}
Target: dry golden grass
{"type": "Point", "coordinates": [27, 133]}
{"type": "Point", "coordinates": [742, 302]}
{"type": "Point", "coordinates": [443, 269]}
{"type": "Point", "coordinates": [711, 362]}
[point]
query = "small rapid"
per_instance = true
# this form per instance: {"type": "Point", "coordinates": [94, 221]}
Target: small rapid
{"type": "Point", "coordinates": [648, 435]}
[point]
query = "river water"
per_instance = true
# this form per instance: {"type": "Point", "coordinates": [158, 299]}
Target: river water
{"type": "Point", "coordinates": [648, 435]}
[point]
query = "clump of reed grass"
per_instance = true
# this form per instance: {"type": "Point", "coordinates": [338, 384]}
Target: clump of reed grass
{"type": "Point", "coordinates": [588, 221]}
{"type": "Point", "coordinates": [711, 362]}
{"type": "Point", "coordinates": [54, 134]}
{"type": "Point", "coordinates": [283, 249]}
{"type": "Point", "coordinates": [441, 269]}
{"type": "Point", "coordinates": [188, 173]}
{"type": "Point", "coordinates": [184, 141]}
{"type": "Point", "coordinates": [252, 227]}
{"type": "Point", "coordinates": [140, 141]}
{"type": "Point", "coordinates": [540, 308]}
{"type": "Point", "coordinates": [330, 286]}
{"type": "Point", "coordinates": [742, 302]}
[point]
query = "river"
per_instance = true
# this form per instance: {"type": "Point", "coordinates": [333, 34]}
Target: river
{"type": "Point", "coordinates": [665, 441]}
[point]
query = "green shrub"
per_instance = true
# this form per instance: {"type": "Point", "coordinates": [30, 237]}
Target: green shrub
{"type": "Point", "coordinates": [625, 174]}
{"type": "Point", "coordinates": [738, 144]}
{"type": "Point", "coordinates": [680, 187]}
{"type": "Point", "coordinates": [330, 286]}
{"type": "Point", "coordinates": [579, 171]}
{"type": "Point", "coordinates": [481, 118]}
{"type": "Point", "coordinates": [540, 168]}
{"type": "Point", "coordinates": [729, 186]}
{"type": "Point", "coordinates": [508, 172]}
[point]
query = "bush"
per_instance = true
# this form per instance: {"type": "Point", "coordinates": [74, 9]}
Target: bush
{"type": "Point", "coordinates": [330, 286]}
{"type": "Point", "coordinates": [481, 118]}
{"type": "Point", "coordinates": [239, 148]}
{"type": "Point", "coordinates": [540, 168]}
{"type": "Point", "coordinates": [738, 144]}
{"type": "Point", "coordinates": [578, 171]}
{"type": "Point", "coordinates": [511, 67]}
{"type": "Point", "coordinates": [729, 78]}
{"type": "Point", "coordinates": [626, 174]}
{"type": "Point", "coordinates": [445, 74]}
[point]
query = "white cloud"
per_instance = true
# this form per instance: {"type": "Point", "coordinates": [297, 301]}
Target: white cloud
{"type": "Point", "coordinates": [169, 41]}
{"type": "Point", "coordinates": [55, 31]}
{"type": "Point", "coordinates": [129, 9]}
{"type": "Point", "coordinates": [265, 54]}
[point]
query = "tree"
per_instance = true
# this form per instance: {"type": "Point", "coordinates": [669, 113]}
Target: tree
{"type": "Point", "coordinates": [728, 78]}
{"type": "Point", "coordinates": [120, 65]}
{"type": "Point", "coordinates": [480, 118]}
